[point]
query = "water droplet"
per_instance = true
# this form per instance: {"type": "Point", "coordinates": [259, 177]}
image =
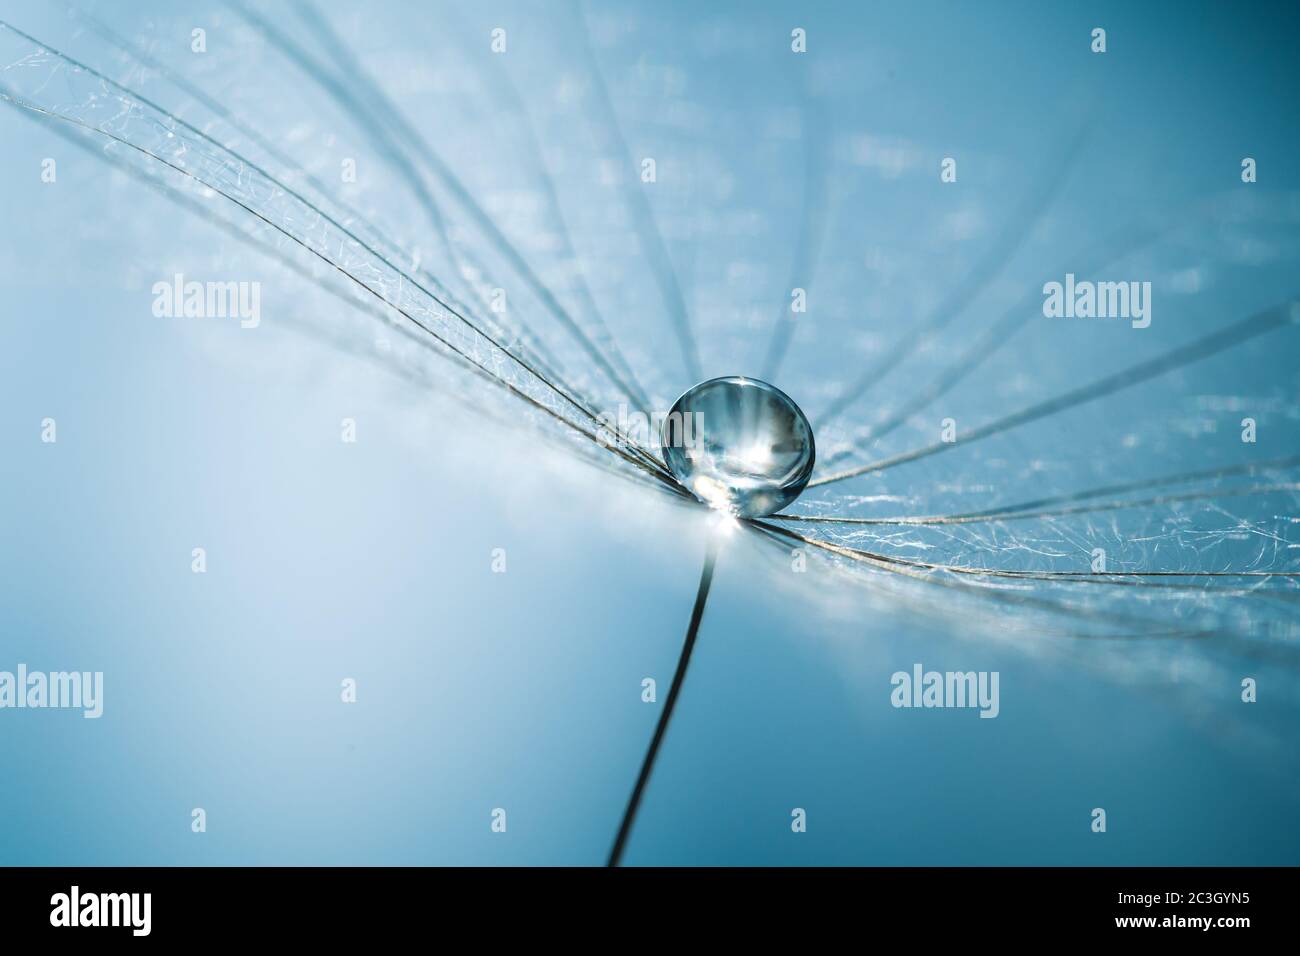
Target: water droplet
{"type": "Point", "coordinates": [739, 445]}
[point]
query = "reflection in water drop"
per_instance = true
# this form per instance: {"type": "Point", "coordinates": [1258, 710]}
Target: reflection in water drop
{"type": "Point", "coordinates": [740, 445]}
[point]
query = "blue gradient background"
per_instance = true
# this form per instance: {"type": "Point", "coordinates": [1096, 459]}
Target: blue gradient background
{"type": "Point", "coordinates": [522, 690]}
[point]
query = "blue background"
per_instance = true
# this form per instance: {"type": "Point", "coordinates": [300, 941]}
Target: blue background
{"type": "Point", "coordinates": [522, 690]}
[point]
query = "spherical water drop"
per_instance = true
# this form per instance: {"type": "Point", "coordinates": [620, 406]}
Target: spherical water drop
{"type": "Point", "coordinates": [739, 445]}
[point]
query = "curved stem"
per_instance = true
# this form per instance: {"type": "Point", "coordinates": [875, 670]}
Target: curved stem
{"type": "Point", "coordinates": [683, 661]}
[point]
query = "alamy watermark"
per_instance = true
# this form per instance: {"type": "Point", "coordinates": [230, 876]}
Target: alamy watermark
{"type": "Point", "coordinates": [1098, 300]}
{"type": "Point", "coordinates": [55, 689]}
{"type": "Point", "coordinates": [665, 429]}
{"type": "Point", "coordinates": [208, 300]}
{"type": "Point", "coordinates": [922, 688]}
{"type": "Point", "coordinates": [130, 910]}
